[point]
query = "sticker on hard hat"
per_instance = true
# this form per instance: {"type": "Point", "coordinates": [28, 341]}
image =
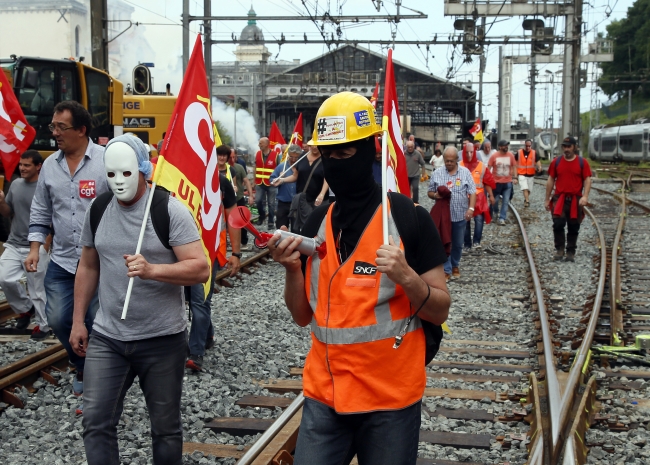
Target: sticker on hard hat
{"type": "Point", "coordinates": [331, 128]}
{"type": "Point", "coordinates": [362, 118]}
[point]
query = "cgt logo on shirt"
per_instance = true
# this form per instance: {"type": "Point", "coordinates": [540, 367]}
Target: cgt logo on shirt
{"type": "Point", "coordinates": [87, 189]}
{"type": "Point", "coordinates": [364, 268]}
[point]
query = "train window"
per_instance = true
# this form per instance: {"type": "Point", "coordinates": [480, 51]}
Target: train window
{"type": "Point", "coordinates": [631, 143]}
{"type": "Point", "coordinates": [597, 143]}
{"type": "Point", "coordinates": [609, 144]}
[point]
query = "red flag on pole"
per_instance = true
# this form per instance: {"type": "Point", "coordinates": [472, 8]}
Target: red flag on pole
{"type": "Point", "coordinates": [375, 96]}
{"type": "Point", "coordinates": [477, 131]}
{"type": "Point", "coordinates": [275, 139]}
{"type": "Point", "coordinates": [296, 136]}
{"type": "Point", "coordinates": [15, 134]}
{"type": "Point", "coordinates": [187, 165]}
{"type": "Point", "coordinates": [397, 180]}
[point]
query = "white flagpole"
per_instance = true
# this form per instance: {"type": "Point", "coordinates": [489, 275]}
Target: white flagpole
{"type": "Point", "coordinates": [384, 185]}
{"type": "Point", "coordinates": [282, 174]}
{"type": "Point", "coordinates": [138, 247]}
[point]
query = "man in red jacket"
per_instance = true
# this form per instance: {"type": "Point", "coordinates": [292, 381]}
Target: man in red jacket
{"type": "Point", "coordinates": [571, 177]}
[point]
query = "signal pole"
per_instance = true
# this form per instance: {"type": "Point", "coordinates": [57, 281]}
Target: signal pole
{"type": "Point", "coordinates": [186, 33]}
{"type": "Point", "coordinates": [99, 34]}
{"type": "Point", "coordinates": [533, 71]}
{"type": "Point", "coordinates": [207, 45]}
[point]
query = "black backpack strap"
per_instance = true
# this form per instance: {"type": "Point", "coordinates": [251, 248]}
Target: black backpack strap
{"type": "Point", "coordinates": [160, 215]}
{"type": "Point", "coordinates": [97, 210]}
{"type": "Point", "coordinates": [403, 211]}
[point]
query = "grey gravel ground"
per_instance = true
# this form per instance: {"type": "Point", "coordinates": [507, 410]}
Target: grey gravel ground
{"type": "Point", "coordinates": [256, 339]}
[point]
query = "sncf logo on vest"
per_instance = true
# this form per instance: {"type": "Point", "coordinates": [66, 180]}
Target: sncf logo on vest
{"type": "Point", "coordinates": [364, 268]}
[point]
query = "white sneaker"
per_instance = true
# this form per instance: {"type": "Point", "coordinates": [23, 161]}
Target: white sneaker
{"type": "Point", "coordinates": [502, 222]}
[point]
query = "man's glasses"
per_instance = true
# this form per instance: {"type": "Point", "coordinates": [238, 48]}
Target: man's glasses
{"type": "Point", "coordinates": [58, 127]}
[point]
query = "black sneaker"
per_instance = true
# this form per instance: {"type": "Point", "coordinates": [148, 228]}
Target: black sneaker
{"type": "Point", "coordinates": [559, 255]}
{"type": "Point", "coordinates": [570, 257]}
{"type": "Point", "coordinates": [195, 363]}
{"type": "Point", "coordinates": [38, 335]}
{"type": "Point", "coordinates": [209, 344]}
{"type": "Point", "coordinates": [25, 319]}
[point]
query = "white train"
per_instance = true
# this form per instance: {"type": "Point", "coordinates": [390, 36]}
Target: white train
{"type": "Point", "coordinates": [627, 143]}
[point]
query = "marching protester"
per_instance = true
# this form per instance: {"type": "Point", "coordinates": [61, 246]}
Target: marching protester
{"type": "Point", "coordinates": [436, 160]}
{"type": "Point", "coordinates": [151, 343]}
{"type": "Point", "coordinates": [12, 262]}
{"type": "Point", "coordinates": [202, 330]}
{"type": "Point", "coordinates": [265, 162]}
{"type": "Point", "coordinates": [362, 396]}
{"type": "Point", "coordinates": [484, 182]}
{"type": "Point", "coordinates": [502, 164]}
{"type": "Point", "coordinates": [311, 186]}
{"type": "Point", "coordinates": [528, 164]}
{"type": "Point", "coordinates": [69, 181]}
{"type": "Point", "coordinates": [414, 165]}
{"type": "Point", "coordinates": [486, 152]}
{"type": "Point", "coordinates": [286, 190]}
{"type": "Point", "coordinates": [459, 181]}
{"type": "Point", "coordinates": [238, 178]}
{"type": "Point", "coordinates": [570, 175]}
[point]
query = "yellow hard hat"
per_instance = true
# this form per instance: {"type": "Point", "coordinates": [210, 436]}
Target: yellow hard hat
{"type": "Point", "coordinates": [344, 117]}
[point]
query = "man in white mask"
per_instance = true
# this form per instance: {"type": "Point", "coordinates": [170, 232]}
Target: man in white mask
{"type": "Point", "coordinates": [151, 342]}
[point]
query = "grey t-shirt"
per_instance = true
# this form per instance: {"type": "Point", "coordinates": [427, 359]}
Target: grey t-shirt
{"type": "Point", "coordinates": [19, 198]}
{"type": "Point", "coordinates": [156, 308]}
{"type": "Point", "coordinates": [413, 162]}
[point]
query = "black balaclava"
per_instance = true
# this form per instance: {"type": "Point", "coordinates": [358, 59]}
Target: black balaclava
{"type": "Point", "coordinates": [357, 193]}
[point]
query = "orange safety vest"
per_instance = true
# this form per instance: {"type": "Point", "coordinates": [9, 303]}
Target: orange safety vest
{"type": "Point", "coordinates": [263, 170]}
{"type": "Point", "coordinates": [526, 165]}
{"type": "Point", "coordinates": [352, 365]}
{"type": "Point", "coordinates": [222, 250]}
{"type": "Point", "coordinates": [477, 174]}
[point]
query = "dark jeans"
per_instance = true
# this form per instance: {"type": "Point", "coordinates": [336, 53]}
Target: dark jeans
{"type": "Point", "coordinates": [201, 308]}
{"type": "Point", "coordinates": [385, 437]}
{"type": "Point", "coordinates": [478, 231]}
{"type": "Point", "coordinates": [415, 188]}
{"type": "Point", "coordinates": [111, 368]}
{"type": "Point", "coordinates": [283, 214]}
{"type": "Point", "coordinates": [244, 234]}
{"type": "Point", "coordinates": [59, 289]}
{"type": "Point", "coordinates": [265, 194]}
{"type": "Point", "coordinates": [573, 228]}
{"type": "Point", "coordinates": [504, 189]}
{"type": "Point", "coordinates": [457, 238]}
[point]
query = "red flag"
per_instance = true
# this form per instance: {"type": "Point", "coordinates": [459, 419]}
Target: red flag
{"type": "Point", "coordinates": [275, 139]}
{"type": "Point", "coordinates": [375, 96]}
{"type": "Point", "coordinates": [15, 134]}
{"type": "Point", "coordinates": [477, 131]}
{"type": "Point", "coordinates": [296, 136]}
{"type": "Point", "coordinates": [397, 176]}
{"type": "Point", "coordinates": [187, 165]}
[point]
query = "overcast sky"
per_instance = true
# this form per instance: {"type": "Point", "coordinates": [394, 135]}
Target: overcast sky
{"type": "Point", "coordinates": [163, 32]}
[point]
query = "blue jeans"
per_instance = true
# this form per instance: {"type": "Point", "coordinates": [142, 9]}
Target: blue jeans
{"type": "Point", "coordinates": [385, 437]}
{"type": "Point", "coordinates": [504, 190]}
{"type": "Point", "coordinates": [264, 194]}
{"type": "Point", "coordinates": [457, 237]}
{"type": "Point", "coordinates": [478, 231]}
{"type": "Point", "coordinates": [111, 368]}
{"type": "Point", "coordinates": [59, 289]}
{"type": "Point", "coordinates": [201, 308]}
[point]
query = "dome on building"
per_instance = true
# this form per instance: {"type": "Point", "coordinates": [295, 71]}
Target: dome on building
{"type": "Point", "coordinates": [252, 32]}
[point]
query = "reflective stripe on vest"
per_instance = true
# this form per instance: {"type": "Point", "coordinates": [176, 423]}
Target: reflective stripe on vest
{"type": "Point", "coordinates": [477, 175]}
{"type": "Point", "coordinates": [526, 165]}
{"type": "Point", "coordinates": [263, 170]}
{"type": "Point", "coordinates": [357, 312]}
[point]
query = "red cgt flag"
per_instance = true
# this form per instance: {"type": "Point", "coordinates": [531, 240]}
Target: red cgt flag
{"type": "Point", "coordinates": [375, 96]}
{"type": "Point", "coordinates": [187, 165]}
{"type": "Point", "coordinates": [275, 139]}
{"type": "Point", "coordinates": [397, 176]}
{"type": "Point", "coordinates": [15, 134]}
{"type": "Point", "coordinates": [296, 136]}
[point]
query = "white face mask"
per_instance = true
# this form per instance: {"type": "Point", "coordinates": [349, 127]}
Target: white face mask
{"type": "Point", "coordinates": [121, 165]}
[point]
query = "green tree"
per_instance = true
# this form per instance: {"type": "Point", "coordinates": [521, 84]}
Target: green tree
{"type": "Point", "coordinates": [631, 40]}
{"type": "Point", "coordinates": [225, 137]}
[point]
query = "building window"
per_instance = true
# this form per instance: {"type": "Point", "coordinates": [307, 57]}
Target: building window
{"type": "Point", "coordinates": [76, 41]}
{"type": "Point", "coordinates": [359, 61]}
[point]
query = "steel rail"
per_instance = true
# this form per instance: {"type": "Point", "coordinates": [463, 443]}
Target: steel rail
{"type": "Point", "coordinates": [552, 383]}
{"type": "Point", "coordinates": [583, 351]}
{"type": "Point", "coordinates": [255, 450]}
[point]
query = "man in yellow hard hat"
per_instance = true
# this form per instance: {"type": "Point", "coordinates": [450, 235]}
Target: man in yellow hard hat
{"type": "Point", "coordinates": [367, 302]}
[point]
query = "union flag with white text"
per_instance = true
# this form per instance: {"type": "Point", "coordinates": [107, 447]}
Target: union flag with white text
{"type": "Point", "coordinates": [187, 164]}
{"type": "Point", "coordinates": [296, 137]}
{"type": "Point", "coordinates": [15, 133]}
{"type": "Point", "coordinates": [397, 180]}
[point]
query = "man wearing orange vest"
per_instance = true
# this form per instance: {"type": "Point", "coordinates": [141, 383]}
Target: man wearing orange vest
{"type": "Point", "coordinates": [201, 335]}
{"type": "Point", "coordinates": [265, 162]}
{"type": "Point", "coordinates": [528, 163]}
{"type": "Point", "coordinates": [484, 182]}
{"type": "Point", "coordinates": [364, 377]}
